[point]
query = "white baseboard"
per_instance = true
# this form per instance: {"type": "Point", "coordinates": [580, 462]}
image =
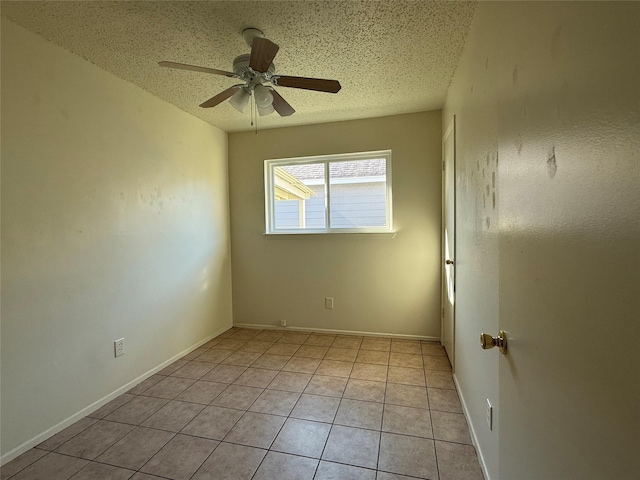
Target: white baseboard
{"type": "Point", "coordinates": [474, 437]}
{"type": "Point", "coordinates": [38, 439]}
{"type": "Point", "coordinates": [337, 332]}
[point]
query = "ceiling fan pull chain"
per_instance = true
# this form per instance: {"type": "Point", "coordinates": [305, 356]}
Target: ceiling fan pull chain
{"type": "Point", "coordinates": [255, 115]}
{"type": "Point", "coordinates": [251, 107]}
{"type": "Point", "coordinates": [254, 112]}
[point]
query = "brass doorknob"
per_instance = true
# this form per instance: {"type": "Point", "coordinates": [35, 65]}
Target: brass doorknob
{"type": "Point", "coordinates": [449, 262]}
{"type": "Point", "coordinates": [487, 341]}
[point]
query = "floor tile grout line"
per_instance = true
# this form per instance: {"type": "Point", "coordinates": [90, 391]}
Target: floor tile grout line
{"type": "Point", "coordinates": [27, 466]}
{"type": "Point", "coordinates": [135, 470]}
{"type": "Point", "coordinates": [103, 463]}
{"type": "Point", "coordinates": [348, 464]}
{"type": "Point", "coordinates": [176, 399]}
{"type": "Point", "coordinates": [435, 453]}
{"type": "Point", "coordinates": [324, 447]}
{"type": "Point", "coordinates": [71, 438]}
{"type": "Point", "coordinates": [286, 417]}
{"type": "Point", "coordinates": [216, 447]}
{"type": "Point", "coordinates": [101, 452]}
{"type": "Point", "coordinates": [380, 436]}
{"type": "Point", "coordinates": [125, 436]}
{"type": "Point", "coordinates": [252, 365]}
{"type": "Point", "coordinates": [332, 424]}
{"type": "Point", "coordinates": [405, 475]}
{"type": "Point", "coordinates": [274, 439]}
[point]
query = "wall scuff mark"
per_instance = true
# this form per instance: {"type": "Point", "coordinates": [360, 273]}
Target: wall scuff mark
{"type": "Point", "coordinates": [552, 166]}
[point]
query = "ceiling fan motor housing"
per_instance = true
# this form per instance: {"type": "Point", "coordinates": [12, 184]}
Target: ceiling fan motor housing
{"type": "Point", "coordinates": [245, 72]}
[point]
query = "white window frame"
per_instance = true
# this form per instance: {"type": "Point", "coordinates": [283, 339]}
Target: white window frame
{"type": "Point", "coordinates": [269, 166]}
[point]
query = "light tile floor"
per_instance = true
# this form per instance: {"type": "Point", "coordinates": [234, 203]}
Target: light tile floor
{"type": "Point", "coordinates": [265, 404]}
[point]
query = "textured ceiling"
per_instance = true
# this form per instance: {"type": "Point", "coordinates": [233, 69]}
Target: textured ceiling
{"type": "Point", "coordinates": [390, 56]}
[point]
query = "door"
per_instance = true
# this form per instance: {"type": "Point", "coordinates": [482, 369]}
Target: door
{"type": "Point", "coordinates": [449, 239]}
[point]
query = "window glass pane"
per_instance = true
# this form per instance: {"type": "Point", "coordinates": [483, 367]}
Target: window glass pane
{"type": "Point", "coordinates": [358, 193]}
{"type": "Point", "coordinates": [297, 196]}
{"type": "Point", "coordinates": [299, 192]}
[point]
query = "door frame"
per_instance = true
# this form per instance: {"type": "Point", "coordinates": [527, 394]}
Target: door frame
{"type": "Point", "coordinates": [451, 130]}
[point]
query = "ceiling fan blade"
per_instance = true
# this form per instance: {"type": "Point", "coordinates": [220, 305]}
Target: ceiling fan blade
{"type": "Point", "coordinates": [195, 68]}
{"type": "Point", "coordinates": [263, 51]}
{"type": "Point", "coordinates": [221, 97]}
{"type": "Point", "coordinates": [281, 105]}
{"type": "Point", "coordinates": [317, 84]}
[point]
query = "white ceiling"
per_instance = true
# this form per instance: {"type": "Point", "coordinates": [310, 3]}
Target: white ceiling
{"type": "Point", "coordinates": [390, 56]}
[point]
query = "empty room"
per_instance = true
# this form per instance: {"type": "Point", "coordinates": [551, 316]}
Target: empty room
{"type": "Point", "coordinates": [314, 240]}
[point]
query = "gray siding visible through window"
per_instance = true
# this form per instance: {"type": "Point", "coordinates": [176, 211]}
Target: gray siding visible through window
{"type": "Point", "coordinates": [287, 211]}
{"type": "Point", "coordinates": [353, 205]}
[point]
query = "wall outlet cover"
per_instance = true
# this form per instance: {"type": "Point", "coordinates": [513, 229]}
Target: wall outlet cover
{"type": "Point", "coordinates": [118, 346]}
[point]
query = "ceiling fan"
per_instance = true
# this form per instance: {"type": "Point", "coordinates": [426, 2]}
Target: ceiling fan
{"type": "Point", "coordinates": [257, 71]}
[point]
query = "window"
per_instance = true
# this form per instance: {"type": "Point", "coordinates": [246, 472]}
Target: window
{"type": "Point", "coordinates": [348, 193]}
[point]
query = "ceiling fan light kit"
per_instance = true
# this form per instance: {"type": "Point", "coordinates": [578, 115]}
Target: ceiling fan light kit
{"type": "Point", "coordinates": [257, 71]}
{"type": "Point", "coordinates": [264, 111]}
{"type": "Point", "coordinates": [240, 99]}
{"type": "Point", "coordinates": [263, 96]}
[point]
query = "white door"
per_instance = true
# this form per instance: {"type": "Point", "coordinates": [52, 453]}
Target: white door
{"type": "Point", "coordinates": [449, 238]}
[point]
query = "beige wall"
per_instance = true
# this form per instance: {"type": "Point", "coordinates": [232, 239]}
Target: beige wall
{"type": "Point", "coordinates": [114, 224]}
{"type": "Point", "coordinates": [380, 282]}
{"type": "Point", "coordinates": [553, 89]}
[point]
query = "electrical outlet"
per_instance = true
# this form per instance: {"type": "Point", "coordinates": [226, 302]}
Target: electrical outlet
{"type": "Point", "coordinates": [489, 415]}
{"type": "Point", "coordinates": [328, 302]}
{"type": "Point", "coordinates": [118, 347]}
{"type": "Point", "coordinates": [283, 323]}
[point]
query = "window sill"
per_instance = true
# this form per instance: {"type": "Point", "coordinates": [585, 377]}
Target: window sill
{"type": "Point", "coordinates": [333, 232]}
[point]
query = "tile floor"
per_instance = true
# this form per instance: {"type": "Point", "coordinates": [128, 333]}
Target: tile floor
{"type": "Point", "coordinates": [265, 404]}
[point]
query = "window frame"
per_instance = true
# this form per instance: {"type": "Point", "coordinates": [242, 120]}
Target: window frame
{"type": "Point", "coordinates": [269, 203]}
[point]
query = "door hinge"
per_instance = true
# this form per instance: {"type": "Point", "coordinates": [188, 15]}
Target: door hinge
{"type": "Point", "coordinates": [443, 165]}
{"type": "Point", "coordinates": [442, 312]}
